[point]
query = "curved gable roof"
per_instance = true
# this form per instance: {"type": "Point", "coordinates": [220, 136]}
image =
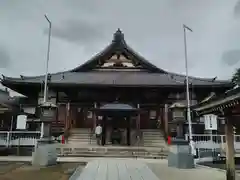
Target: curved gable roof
{"type": "Point", "coordinates": [118, 45]}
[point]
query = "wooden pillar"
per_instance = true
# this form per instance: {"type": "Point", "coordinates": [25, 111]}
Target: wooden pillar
{"type": "Point", "coordinates": [128, 130]}
{"type": "Point", "coordinates": [138, 119]}
{"type": "Point", "coordinates": [67, 116]}
{"type": "Point", "coordinates": [230, 151]}
{"type": "Point", "coordinates": [166, 119]}
{"type": "Point", "coordinates": [94, 117]}
{"type": "Point", "coordinates": [104, 119]}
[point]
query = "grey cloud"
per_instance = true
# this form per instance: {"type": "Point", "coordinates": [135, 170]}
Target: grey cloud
{"type": "Point", "coordinates": [154, 29]}
{"type": "Point", "coordinates": [231, 57]}
{"type": "Point", "coordinates": [78, 31]}
{"type": "Point", "coordinates": [5, 59]}
{"type": "Point", "coordinates": [237, 9]}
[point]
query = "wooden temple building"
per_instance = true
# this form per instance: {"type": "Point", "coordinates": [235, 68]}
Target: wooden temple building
{"type": "Point", "coordinates": [9, 109]}
{"type": "Point", "coordinates": [227, 107]}
{"type": "Point", "coordinates": [117, 75]}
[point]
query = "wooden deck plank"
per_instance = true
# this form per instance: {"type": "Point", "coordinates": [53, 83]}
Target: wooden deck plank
{"type": "Point", "coordinates": [117, 170]}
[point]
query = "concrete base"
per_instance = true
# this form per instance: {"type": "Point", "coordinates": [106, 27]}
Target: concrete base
{"type": "Point", "coordinates": [180, 155]}
{"type": "Point", "coordinates": [45, 154]}
{"type": "Point", "coordinates": [181, 160]}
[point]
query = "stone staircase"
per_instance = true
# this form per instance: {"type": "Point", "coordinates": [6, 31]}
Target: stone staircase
{"type": "Point", "coordinates": [81, 136]}
{"type": "Point", "coordinates": [153, 138]}
{"type": "Point", "coordinates": [81, 143]}
{"type": "Point", "coordinates": [112, 151]}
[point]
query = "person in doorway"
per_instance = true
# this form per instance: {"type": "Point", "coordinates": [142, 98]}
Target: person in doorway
{"type": "Point", "coordinates": [98, 132]}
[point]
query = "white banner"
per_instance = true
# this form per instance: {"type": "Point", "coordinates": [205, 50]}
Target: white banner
{"type": "Point", "coordinates": [210, 121]}
{"type": "Point", "coordinates": [21, 122]}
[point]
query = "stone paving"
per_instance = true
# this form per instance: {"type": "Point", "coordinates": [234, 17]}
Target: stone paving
{"type": "Point", "coordinates": [159, 167]}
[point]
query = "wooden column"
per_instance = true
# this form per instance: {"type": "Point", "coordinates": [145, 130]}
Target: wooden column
{"type": "Point", "coordinates": [230, 151]}
{"type": "Point", "coordinates": [128, 131]}
{"type": "Point", "coordinates": [94, 117]}
{"type": "Point", "coordinates": [103, 121]}
{"type": "Point", "coordinates": [166, 119]}
{"type": "Point", "coordinates": [138, 119]}
{"type": "Point", "coordinates": [67, 116]}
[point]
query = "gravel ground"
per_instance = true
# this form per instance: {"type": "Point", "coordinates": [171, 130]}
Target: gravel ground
{"type": "Point", "coordinates": [25, 171]}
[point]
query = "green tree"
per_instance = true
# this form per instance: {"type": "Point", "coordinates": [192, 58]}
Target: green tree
{"type": "Point", "coordinates": [236, 76]}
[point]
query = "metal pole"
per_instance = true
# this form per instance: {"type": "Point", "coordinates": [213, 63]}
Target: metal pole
{"type": "Point", "coordinates": [187, 90]}
{"type": "Point", "coordinates": [48, 55]}
{"type": "Point", "coordinates": [47, 63]}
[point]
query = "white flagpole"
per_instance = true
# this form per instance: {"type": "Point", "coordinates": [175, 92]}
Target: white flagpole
{"type": "Point", "coordinates": [187, 90]}
{"type": "Point", "coordinates": [46, 75]}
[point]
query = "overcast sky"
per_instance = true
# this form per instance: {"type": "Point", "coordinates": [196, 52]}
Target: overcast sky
{"type": "Point", "coordinates": [153, 28]}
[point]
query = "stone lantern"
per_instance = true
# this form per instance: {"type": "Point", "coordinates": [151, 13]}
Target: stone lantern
{"type": "Point", "coordinates": [45, 153]}
{"type": "Point", "coordinates": [178, 117]}
{"type": "Point", "coordinates": [180, 155]}
{"type": "Point", "coordinates": [47, 116]}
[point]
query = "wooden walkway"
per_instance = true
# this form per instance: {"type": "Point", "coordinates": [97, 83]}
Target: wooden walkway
{"type": "Point", "coordinates": [117, 170]}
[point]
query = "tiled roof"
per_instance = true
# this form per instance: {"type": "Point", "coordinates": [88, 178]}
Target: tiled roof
{"type": "Point", "coordinates": [227, 99]}
{"type": "Point", "coordinates": [86, 75]}
{"type": "Point", "coordinates": [116, 78]}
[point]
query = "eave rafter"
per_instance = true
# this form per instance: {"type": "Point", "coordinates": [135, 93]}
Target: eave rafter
{"type": "Point", "coordinates": [219, 108]}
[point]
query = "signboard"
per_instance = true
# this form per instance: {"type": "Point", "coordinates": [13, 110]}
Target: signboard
{"type": "Point", "coordinates": [21, 122]}
{"type": "Point", "coordinates": [210, 121]}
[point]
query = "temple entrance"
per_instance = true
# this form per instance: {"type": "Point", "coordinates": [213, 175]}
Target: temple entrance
{"type": "Point", "coordinates": [116, 123]}
{"type": "Point", "coordinates": [116, 130]}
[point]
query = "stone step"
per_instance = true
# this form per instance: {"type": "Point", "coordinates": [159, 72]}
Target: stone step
{"type": "Point", "coordinates": [82, 143]}
{"type": "Point", "coordinates": [81, 137]}
{"type": "Point", "coordinates": [82, 140]}
{"type": "Point", "coordinates": [116, 154]}
{"type": "Point", "coordinates": [164, 156]}
{"type": "Point", "coordinates": [152, 134]}
{"type": "Point", "coordinates": [106, 152]}
{"type": "Point", "coordinates": [82, 134]}
{"type": "Point", "coordinates": [154, 145]}
{"type": "Point", "coordinates": [153, 140]}
{"type": "Point", "coordinates": [153, 137]}
{"type": "Point", "coordinates": [80, 131]}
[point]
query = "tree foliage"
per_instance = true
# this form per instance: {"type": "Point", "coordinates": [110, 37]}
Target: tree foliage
{"type": "Point", "coordinates": [236, 76]}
